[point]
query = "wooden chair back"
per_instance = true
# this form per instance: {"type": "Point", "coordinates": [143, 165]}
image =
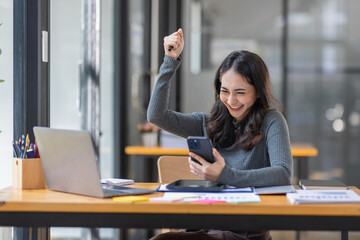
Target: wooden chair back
{"type": "Point", "coordinates": [172, 168]}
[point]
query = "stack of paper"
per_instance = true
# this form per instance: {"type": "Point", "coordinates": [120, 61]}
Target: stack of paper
{"type": "Point", "coordinates": [323, 196]}
{"type": "Point", "coordinates": [209, 197]}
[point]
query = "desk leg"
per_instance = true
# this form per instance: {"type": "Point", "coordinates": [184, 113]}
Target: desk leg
{"type": "Point", "coordinates": [301, 173]}
{"type": "Point", "coordinates": [344, 235]}
{"type": "Point", "coordinates": [297, 235]}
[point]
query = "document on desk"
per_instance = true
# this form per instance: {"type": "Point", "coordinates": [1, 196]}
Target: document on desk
{"type": "Point", "coordinates": [233, 197]}
{"type": "Point", "coordinates": [275, 190]}
{"type": "Point", "coordinates": [323, 196]}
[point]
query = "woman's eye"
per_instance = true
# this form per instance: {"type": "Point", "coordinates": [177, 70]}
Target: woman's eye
{"type": "Point", "coordinates": [240, 93]}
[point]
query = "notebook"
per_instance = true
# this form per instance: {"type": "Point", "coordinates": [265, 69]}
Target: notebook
{"type": "Point", "coordinates": [70, 164]}
{"type": "Point", "coordinates": [323, 196]}
{"type": "Point", "coordinates": [309, 184]}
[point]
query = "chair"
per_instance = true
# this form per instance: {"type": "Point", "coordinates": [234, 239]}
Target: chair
{"type": "Point", "coordinates": [172, 168]}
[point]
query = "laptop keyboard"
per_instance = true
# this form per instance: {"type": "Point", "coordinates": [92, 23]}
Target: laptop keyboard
{"type": "Point", "coordinates": [110, 190]}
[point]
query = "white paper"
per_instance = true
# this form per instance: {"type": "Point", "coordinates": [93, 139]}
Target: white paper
{"type": "Point", "coordinates": [323, 196]}
{"type": "Point", "coordinates": [275, 189]}
{"type": "Point", "coordinates": [164, 199]}
{"type": "Point", "coordinates": [227, 197]}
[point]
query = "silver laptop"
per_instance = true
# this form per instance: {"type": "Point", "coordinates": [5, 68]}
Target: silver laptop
{"type": "Point", "coordinates": [70, 164]}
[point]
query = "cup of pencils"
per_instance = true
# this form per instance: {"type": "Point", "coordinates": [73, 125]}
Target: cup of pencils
{"type": "Point", "coordinates": [28, 172]}
{"type": "Point", "coordinates": [24, 149]}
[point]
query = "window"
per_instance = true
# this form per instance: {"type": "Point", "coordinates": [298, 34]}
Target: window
{"type": "Point", "coordinates": [324, 85]}
{"type": "Point", "coordinates": [66, 39]}
{"type": "Point", "coordinates": [6, 91]}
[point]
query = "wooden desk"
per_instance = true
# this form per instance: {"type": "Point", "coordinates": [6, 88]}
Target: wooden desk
{"type": "Point", "coordinates": [46, 208]}
{"type": "Point", "coordinates": [300, 151]}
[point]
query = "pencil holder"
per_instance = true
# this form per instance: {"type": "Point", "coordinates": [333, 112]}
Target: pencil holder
{"type": "Point", "coordinates": [28, 173]}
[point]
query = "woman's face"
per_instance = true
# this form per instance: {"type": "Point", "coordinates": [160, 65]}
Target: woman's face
{"type": "Point", "coordinates": [237, 94]}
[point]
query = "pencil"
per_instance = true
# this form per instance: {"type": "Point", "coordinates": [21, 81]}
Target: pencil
{"type": "Point", "coordinates": [26, 145]}
{"type": "Point", "coordinates": [18, 147]}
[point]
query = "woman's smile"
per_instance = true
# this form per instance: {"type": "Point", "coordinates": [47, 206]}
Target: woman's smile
{"type": "Point", "coordinates": [235, 108]}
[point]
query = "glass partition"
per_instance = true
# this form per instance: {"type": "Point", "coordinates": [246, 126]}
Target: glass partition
{"type": "Point", "coordinates": [213, 29]}
{"type": "Point", "coordinates": [6, 91]}
{"type": "Point", "coordinates": [324, 84]}
{"type": "Point", "coordinates": [6, 99]}
{"type": "Point", "coordinates": [66, 55]}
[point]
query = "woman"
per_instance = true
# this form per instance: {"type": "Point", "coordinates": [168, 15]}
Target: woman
{"type": "Point", "coordinates": [251, 140]}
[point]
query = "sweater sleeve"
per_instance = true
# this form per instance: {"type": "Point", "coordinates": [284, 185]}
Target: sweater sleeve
{"type": "Point", "coordinates": [278, 152]}
{"type": "Point", "coordinates": [183, 125]}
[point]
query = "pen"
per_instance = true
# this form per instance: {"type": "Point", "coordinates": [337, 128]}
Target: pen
{"type": "Point", "coordinates": [170, 48]}
{"type": "Point", "coordinates": [16, 154]}
{"type": "Point", "coordinates": [35, 149]}
{"type": "Point", "coordinates": [22, 152]}
{"type": "Point", "coordinates": [19, 144]}
{"type": "Point", "coordinates": [30, 153]}
{"type": "Point", "coordinates": [23, 140]}
{"type": "Point", "coordinates": [18, 147]}
{"type": "Point", "coordinates": [37, 153]}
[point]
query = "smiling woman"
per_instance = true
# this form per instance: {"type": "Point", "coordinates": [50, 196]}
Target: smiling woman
{"type": "Point", "coordinates": [250, 139]}
{"type": "Point", "coordinates": [242, 90]}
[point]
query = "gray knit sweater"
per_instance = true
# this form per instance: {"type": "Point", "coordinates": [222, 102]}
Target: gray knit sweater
{"type": "Point", "coordinates": [269, 163]}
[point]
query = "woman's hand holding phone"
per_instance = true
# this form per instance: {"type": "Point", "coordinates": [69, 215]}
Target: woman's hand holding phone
{"type": "Point", "coordinates": [205, 161]}
{"type": "Point", "coordinates": [206, 170]}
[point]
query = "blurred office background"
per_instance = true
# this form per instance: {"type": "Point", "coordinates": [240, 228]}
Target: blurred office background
{"type": "Point", "coordinates": [312, 49]}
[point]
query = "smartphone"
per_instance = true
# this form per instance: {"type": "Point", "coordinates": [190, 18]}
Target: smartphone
{"type": "Point", "coordinates": [201, 146]}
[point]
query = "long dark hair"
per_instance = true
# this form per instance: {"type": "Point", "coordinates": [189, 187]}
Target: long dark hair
{"type": "Point", "coordinates": [219, 125]}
